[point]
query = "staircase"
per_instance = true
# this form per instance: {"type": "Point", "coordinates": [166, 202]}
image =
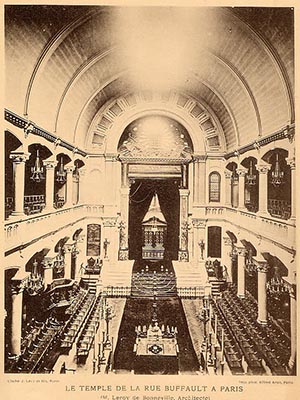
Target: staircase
{"type": "Point", "coordinates": [217, 286]}
{"type": "Point", "coordinates": [90, 282]}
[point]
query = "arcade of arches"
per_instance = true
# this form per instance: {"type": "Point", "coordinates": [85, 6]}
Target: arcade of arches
{"type": "Point", "coordinates": [150, 211]}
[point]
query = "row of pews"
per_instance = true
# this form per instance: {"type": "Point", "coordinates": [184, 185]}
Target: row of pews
{"type": "Point", "coordinates": [38, 341]}
{"type": "Point", "coordinates": [76, 321]}
{"type": "Point", "coordinates": [89, 330]}
{"type": "Point", "coordinates": [262, 347]}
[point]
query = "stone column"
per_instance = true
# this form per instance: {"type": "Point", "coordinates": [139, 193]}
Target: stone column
{"type": "Point", "coordinates": [226, 257]}
{"type": "Point", "coordinates": [227, 188]}
{"type": "Point", "coordinates": [19, 159]}
{"type": "Point", "coordinates": [81, 172]}
{"type": "Point", "coordinates": [81, 256]}
{"type": "Point", "coordinates": [242, 173]}
{"type": "Point", "coordinates": [293, 320]}
{"type": "Point", "coordinates": [48, 271]}
{"type": "Point", "coordinates": [199, 180]}
{"type": "Point", "coordinates": [291, 162]}
{"type": "Point", "coordinates": [69, 183]}
{"type": "Point", "coordinates": [183, 229]}
{"type": "Point", "coordinates": [50, 168]}
{"type": "Point", "coordinates": [124, 210]}
{"type": "Point", "coordinates": [241, 253]}
{"type": "Point", "coordinates": [262, 269]}
{"type": "Point", "coordinates": [68, 250]}
{"type": "Point", "coordinates": [184, 175]}
{"type": "Point", "coordinates": [263, 169]}
{"type": "Point", "coordinates": [16, 317]}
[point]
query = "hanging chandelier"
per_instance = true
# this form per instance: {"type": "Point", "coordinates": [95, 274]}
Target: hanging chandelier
{"type": "Point", "coordinates": [277, 174]}
{"type": "Point", "coordinates": [251, 177]}
{"type": "Point", "coordinates": [234, 176]}
{"type": "Point", "coordinates": [249, 264]}
{"type": "Point", "coordinates": [35, 282]}
{"type": "Point", "coordinates": [76, 173]}
{"type": "Point", "coordinates": [37, 170]}
{"type": "Point", "coordinates": [61, 173]}
{"type": "Point", "coordinates": [276, 285]}
{"type": "Point", "coordinates": [59, 262]}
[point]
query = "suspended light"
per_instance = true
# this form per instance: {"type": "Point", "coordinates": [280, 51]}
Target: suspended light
{"type": "Point", "coordinates": [61, 173]}
{"type": "Point", "coordinates": [276, 285]}
{"type": "Point", "coordinates": [234, 176]}
{"type": "Point", "coordinates": [251, 177]}
{"type": "Point", "coordinates": [76, 172]}
{"type": "Point", "coordinates": [35, 282]}
{"type": "Point", "coordinates": [59, 262]}
{"type": "Point", "coordinates": [37, 170]}
{"type": "Point", "coordinates": [277, 174]}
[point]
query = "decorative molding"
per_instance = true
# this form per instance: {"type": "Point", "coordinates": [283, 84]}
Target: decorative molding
{"type": "Point", "coordinates": [183, 255]}
{"type": "Point", "coordinates": [291, 162]}
{"type": "Point", "coordinates": [241, 171]}
{"type": "Point", "coordinates": [241, 251]}
{"type": "Point", "coordinates": [19, 156]}
{"type": "Point", "coordinates": [109, 222]}
{"type": "Point", "coordinates": [286, 132]}
{"type": "Point", "coordinates": [49, 164]}
{"type": "Point", "coordinates": [263, 168]}
{"type": "Point", "coordinates": [199, 223]}
{"type": "Point", "coordinates": [261, 266]}
{"type": "Point", "coordinates": [228, 174]}
{"type": "Point", "coordinates": [227, 241]}
{"type": "Point", "coordinates": [30, 127]}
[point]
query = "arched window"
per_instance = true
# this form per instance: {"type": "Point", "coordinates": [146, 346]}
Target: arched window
{"type": "Point", "coordinates": [214, 186]}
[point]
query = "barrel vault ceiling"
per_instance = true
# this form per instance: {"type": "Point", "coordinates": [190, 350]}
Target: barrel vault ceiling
{"type": "Point", "coordinates": [66, 64]}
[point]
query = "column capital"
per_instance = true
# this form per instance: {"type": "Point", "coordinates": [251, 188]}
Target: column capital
{"type": "Point", "coordinates": [49, 164]}
{"type": "Point", "coordinates": [81, 171]}
{"type": "Point", "coordinates": [261, 266]}
{"type": "Point", "coordinates": [227, 241]}
{"type": "Point", "coordinates": [291, 162]}
{"type": "Point", "coordinates": [113, 157]}
{"type": "Point", "coordinates": [227, 174]}
{"type": "Point", "coordinates": [69, 169]}
{"type": "Point", "coordinates": [199, 158]}
{"type": "Point", "coordinates": [263, 167]}
{"type": "Point", "coordinates": [184, 192]}
{"type": "Point", "coordinates": [69, 247]}
{"type": "Point", "coordinates": [242, 171]}
{"type": "Point", "coordinates": [241, 251]}
{"type": "Point", "coordinates": [19, 156]}
{"type": "Point", "coordinates": [199, 223]}
{"type": "Point", "coordinates": [17, 286]}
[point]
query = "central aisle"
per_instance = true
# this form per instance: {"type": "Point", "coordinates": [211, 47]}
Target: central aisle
{"type": "Point", "coordinates": [169, 312]}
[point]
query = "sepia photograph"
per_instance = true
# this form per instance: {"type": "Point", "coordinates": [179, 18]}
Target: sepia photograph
{"type": "Point", "coordinates": [149, 199]}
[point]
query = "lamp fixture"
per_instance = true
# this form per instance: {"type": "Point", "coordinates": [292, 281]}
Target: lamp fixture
{"type": "Point", "coordinates": [61, 173]}
{"type": "Point", "coordinates": [37, 170]}
{"type": "Point", "coordinates": [276, 285]}
{"type": "Point", "coordinates": [234, 177]}
{"type": "Point", "coordinates": [59, 262]}
{"type": "Point", "coordinates": [251, 177]}
{"type": "Point", "coordinates": [35, 282]}
{"type": "Point", "coordinates": [277, 174]}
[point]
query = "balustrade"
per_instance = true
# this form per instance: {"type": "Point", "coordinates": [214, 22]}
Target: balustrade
{"type": "Point", "coordinates": [34, 204]}
{"type": "Point", "coordinates": [9, 206]}
{"type": "Point", "coordinates": [279, 208]}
